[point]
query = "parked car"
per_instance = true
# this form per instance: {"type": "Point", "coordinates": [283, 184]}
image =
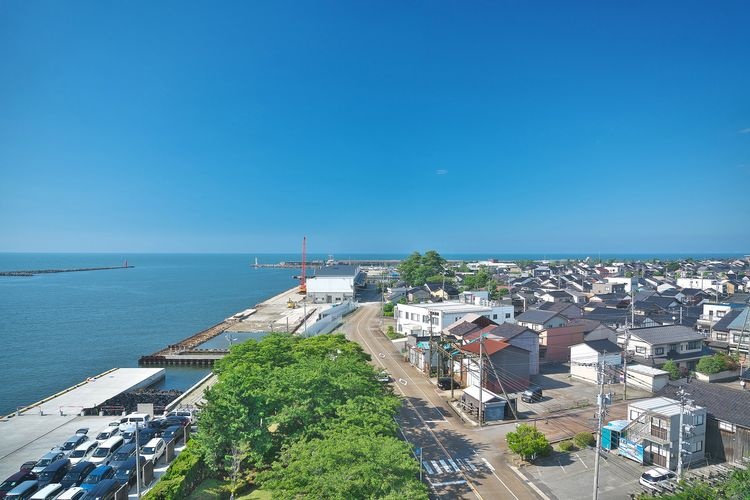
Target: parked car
{"type": "Point", "coordinates": [23, 490]}
{"type": "Point", "coordinates": [54, 472]}
{"type": "Point", "coordinates": [73, 442]}
{"type": "Point", "coordinates": [174, 432]}
{"type": "Point", "coordinates": [532, 395]}
{"type": "Point", "coordinates": [97, 475]}
{"type": "Point", "coordinates": [125, 473]}
{"type": "Point", "coordinates": [104, 452]}
{"type": "Point", "coordinates": [154, 449]}
{"type": "Point", "coordinates": [48, 492]}
{"type": "Point", "coordinates": [74, 493]}
{"type": "Point", "coordinates": [184, 412]}
{"type": "Point", "coordinates": [77, 473]}
{"type": "Point", "coordinates": [83, 452]}
{"type": "Point", "coordinates": [105, 490]}
{"type": "Point", "coordinates": [125, 452]}
{"type": "Point", "coordinates": [128, 422]}
{"type": "Point", "coordinates": [106, 433]}
{"type": "Point", "coordinates": [383, 377]}
{"type": "Point", "coordinates": [144, 436]}
{"type": "Point", "coordinates": [28, 465]}
{"type": "Point", "coordinates": [444, 383]}
{"type": "Point", "coordinates": [83, 430]}
{"type": "Point", "coordinates": [47, 458]}
{"type": "Point", "coordinates": [656, 478]}
{"type": "Point", "coordinates": [14, 480]}
{"type": "Point", "coordinates": [175, 420]}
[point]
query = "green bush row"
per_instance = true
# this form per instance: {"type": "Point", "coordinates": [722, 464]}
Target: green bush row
{"type": "Point", "coordinates": [183, 476]}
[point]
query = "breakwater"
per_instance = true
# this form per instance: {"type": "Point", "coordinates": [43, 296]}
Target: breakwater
{"type": "Point", "coordinates": [185, 346]}
{"type": "Point", "coordinates": [34, 272]}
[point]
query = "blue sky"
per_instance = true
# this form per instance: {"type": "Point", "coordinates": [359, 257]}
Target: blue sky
{"type": "Point", "coordinates": [375, 126]}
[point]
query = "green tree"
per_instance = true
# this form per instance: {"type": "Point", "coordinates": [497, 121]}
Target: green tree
{"type": "Point", "coordinates": [527, 442]}
{"type": "Point", "coordinates": [388, 309]}
{"type": "Point", "coordinates": [671, 367]}
{"type": "Point", "coordinates": [417, 268]}
{"type": "Point", "coordinates": [345, 465]}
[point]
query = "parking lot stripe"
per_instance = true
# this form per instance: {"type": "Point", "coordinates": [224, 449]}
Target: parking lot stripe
{"type": "Point", "coordinates": [584, 463]}
{"type": "Point", "coordinates": [427, 467]}
{"type": "Point", "coordinates": [437, 467]}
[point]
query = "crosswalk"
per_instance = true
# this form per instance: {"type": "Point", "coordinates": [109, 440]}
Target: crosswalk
{"type": "Point", "coordinates": [448, 466]}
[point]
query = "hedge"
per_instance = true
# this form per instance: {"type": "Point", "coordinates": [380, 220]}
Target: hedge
{"type": "Point", "coordinates": [584, 439]}
{"type": "Point", "coordinates": [183, 476]}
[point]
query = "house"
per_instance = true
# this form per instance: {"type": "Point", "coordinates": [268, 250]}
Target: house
{"type": "Point", "coordinates": [506, 367]}
{"type": "Point", "coordinates": [629, 283]}
{"type": "Point", "coordinates": [607, 287]}
{"type": "Point", "coordinates": [515, 335]}
{"type": "Point", "coordinates": [418, 294]}
{"type": "Point", "coordinates": [728, 417]}
{"type": "Point", "coordinates": [493, 406]}
{"type": "Point", "coordinates": [431, 318]}
{"type": "Point", "coordinates": [653, 346]}
{"type": "Point", "coordinates": [711, 314]}
{"type": "Point", "coordinates": [336, 283]}
{"type": "Point", "coordinates": [442, 291]}
{"type": "Point", "coordinates": [539, 320]}
{"type": "Point", "coordinates": [556, 296]}
{"type": "Point", "coordinates": [566, 309]}
{"type": "Point", "coordinates": [653, 430]}
{"type": "Point", "coordinates": [700, 283]}
{"type": "Point", "coordinates": [586, 357]}
{"type": "Point", "coordinates": [646, 377]}
{"type": "Point", "coordinates": [555, 343]}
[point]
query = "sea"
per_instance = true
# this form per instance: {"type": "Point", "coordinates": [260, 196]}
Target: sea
{"type": "Point", "coordinates": [59, 329]}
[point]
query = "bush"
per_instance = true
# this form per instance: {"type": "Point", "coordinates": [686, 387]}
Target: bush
{"type": "Point", "coordinates": [584, 439]}
{"type": "Point", "coordinates": [566, 445]}
{"type": "Point", "coordinates": [715, 364]}
{"type": "Point", "coordinates": [671, 368]}
{"type": "Point", "coordinates": [388, 309]}
{"type": "Point", "coordinates": [183, 476]}
{"type": "Point", "coordinates": [391, 333]}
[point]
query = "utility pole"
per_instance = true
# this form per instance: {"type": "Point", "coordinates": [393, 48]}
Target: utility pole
{"type": "Point", "coordinates": [137, 464]}
{"type": "Point", "coordinates": [600, 417]}
{"type": "Point", "coordinates": [627, 341]}
{"type": "Point", "coordinates": [481, 362]}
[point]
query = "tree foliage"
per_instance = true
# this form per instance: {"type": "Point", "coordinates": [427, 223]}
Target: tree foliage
{"type": "Point", "coordinates": [527, 442]}
{"type": "Point", "coordinates": [719, 362]}
{"type": "Point", "coordinates": [671, 368]}
{"type": "Point", "coordinates": [417, 268]}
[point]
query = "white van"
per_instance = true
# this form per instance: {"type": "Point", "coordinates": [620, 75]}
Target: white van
{"type": "Point", "coordinates": [154, 449]}
{"type": "Point", "coordinates": [103, 454]}
{"type": "Point", "coordinates": [128, 422]}
{"type": "Point", "coordinates": [74, 493]}
{"type": "Point", "coordinates": [83, 451]}
{"type": "Point", "coordinates": [49, 492]}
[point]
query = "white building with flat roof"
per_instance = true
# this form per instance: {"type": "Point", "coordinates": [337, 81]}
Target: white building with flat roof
{"type": "Point", "coordinates": [332, 284]}
{"type": "Point", "coordinates": [421, 319]}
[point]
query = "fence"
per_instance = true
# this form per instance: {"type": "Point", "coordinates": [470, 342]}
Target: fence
{"type": "Point", "coordinates": [329, 320]}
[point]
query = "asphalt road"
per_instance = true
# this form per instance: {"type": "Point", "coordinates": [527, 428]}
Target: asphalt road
{"type": "Point", "coordinates": [459, 460]}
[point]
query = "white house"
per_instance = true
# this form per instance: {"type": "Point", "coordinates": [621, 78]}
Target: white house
{"type": "Point", "coordinates": [334, 283]}
{"type": "Point", "coordinates": [629, 283]}
{"type": "Point", "coordinates": [421, 319]}
{"type": "Point", "coordinates": [647, 377]}
{"type": "Point", "coordinates": [700, 283]}
{"type": "Point", "coordinates": [585, 357]}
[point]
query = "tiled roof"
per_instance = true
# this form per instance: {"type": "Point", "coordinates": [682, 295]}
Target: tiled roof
{"type": "Point", "coordinates": [489, 347]}
{"type": "Point", "coordinates": [721, 402]}
{"type": "Point", "coordinates": [536, 316]}
{"type": "Point", "coordinates": [665, 334]}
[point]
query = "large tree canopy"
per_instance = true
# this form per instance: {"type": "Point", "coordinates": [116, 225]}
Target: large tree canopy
{"type": "Point", "coordinates": [417, 268]}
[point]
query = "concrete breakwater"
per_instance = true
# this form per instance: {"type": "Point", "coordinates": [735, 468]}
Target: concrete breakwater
{"type": "Point", "coordinates": [185, 345]}
{"type": "Point", "coordinates": [33, 272]}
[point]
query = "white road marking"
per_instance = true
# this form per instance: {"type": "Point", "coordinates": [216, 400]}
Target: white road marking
{"type": "Point", "coordinates": [449, 483]}
{"type": "Point", "coordinates": [529, 483]}
{"type": "Point", "coordinates": [427, 467]}
{"type": "Point", "coordinates": [488, 464]}
{"type": "Point", "coordinates": [471, 465]}
{"type": "Point", "coordinates": [584, 463]}
{"type": "Point", "coordinates": [445, 466]}
{"type": "Point", "coordinates": [450, 461]}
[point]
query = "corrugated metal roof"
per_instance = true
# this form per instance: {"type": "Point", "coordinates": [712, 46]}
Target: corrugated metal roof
{"type": "Point", "coordinates": [661, 406]}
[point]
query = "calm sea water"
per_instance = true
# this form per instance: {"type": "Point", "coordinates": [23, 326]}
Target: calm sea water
{"type": "Point", "coordinates": [59, 329]}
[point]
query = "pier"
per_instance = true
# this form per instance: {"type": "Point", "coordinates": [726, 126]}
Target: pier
{"type": "Point", "coordinates": [272, 315]}
{"type": "Point", "coordinates": [34, 272]}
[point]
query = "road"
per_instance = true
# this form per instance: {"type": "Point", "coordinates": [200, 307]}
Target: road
{"type": "Point", "coordinates": [459, 460]}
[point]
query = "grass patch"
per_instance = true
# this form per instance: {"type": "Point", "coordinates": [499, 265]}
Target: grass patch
{"type": "Point", "coordinates": [256, 495]}
{"type": "Point", "coordinates": [211, 489]}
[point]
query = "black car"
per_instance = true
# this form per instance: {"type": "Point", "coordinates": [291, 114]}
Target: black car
{"type": "Point", "coordinates": [175, 420]}
{"type": "Point", "coordinates": [77, 474]}
{"type": "Point", "coordinates": [15, 480]}
{"type": "Point", "coordinates": [173, 432]}
{"type": "Point", "coordinates": [444, 383]}
{"type": "Point", "coordinates": [54, 472]}
{"type": "Point", "coordinates": [125, 473]}
{"type": "Point", "coordinates": [125, 452]}
{"type": "Point", "coordinates": [144, 436]}
{"type": "Point", "coordinates": [28, 465]}
{"type": "Point", "coordinates": [532, 395]}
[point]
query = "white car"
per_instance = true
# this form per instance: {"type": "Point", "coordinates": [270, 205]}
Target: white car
{"type": "Point", "coordinates": [74, 493]}
{"type": "Point", "coordinates": [657, 478]}
{"type": "Point", "coordinates": [154, 449]}
{"type": "Point", "coordinates": [184, 412]}
{"type": "Point", "coordinates": [108, 432]}
{"type": "Point", "coordinates": [83, 451]}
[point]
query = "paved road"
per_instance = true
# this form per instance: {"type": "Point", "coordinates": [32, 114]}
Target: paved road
{"type": "Point", "coordinates": [459, 460]}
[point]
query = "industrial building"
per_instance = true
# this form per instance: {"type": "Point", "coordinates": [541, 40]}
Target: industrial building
{"type": "Point", "coordinates": [337, 283]}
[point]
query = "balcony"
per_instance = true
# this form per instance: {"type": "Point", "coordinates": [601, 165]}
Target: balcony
{"type": "Point", "coordinates": [660, 433]}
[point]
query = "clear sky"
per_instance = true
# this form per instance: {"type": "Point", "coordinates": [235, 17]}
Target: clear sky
{"type": "Point", "coordinates": [384, 126]}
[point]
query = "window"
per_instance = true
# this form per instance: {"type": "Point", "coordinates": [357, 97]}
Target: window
{"type": "Point", "coordinates": [694, 344]}
{"type": "Point", "coordinates": [699, 419]}
{"type": "Point", "coordinates": [494, 316]}
{"type": "Point", "coordinates": [507, 315]}
{"type": "Point", "coordinates": [698, 446]}
{"type": "Point", "coordinates": [726, 426]}
{"type": "Point", "coordinates": [659, 351]}
{"type": "Point", "coordinates": [736, 338]}
{"type": "Point", "coordinates": [640, 349]}
{"type": "Point", "coordinates": [673, 347]}
{"type": "Point", "coordinates": [634, 414]}
{"type": "Point", "coordinates": [721, 336]}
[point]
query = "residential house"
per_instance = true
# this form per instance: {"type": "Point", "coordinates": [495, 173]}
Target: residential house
{"type": "Point", "coordinates": [566, 309]}
{"type": "Point", "coordinates": [727, 417]}
{"type": "Point", "coordinates": [515, 335]}
{"type": "Point", "coordinates": [418, 294]}
{"type": "Point", "coordinates": [416, 319]}
{"type": "Point", "coordinates": [506, 367]}
{"type": "Point", "coordinates": [539, 320]}
{"type": "Point", "coordinates": [653, 346]}
{"type": "Point", "coordinates": [442, 291]}
{"type": "Point", "coordinates": [555, 343]}
{"type": "Point", "coordinates": [711, 314]}
{"type": "Point", "coordinates": [586, 357]}
{"type": "Point", "coordinates": [556, 296]}
{"type": "Point", "coordinates": [700, 283]}
{"type": "Point", "coordinates": [654, 427]}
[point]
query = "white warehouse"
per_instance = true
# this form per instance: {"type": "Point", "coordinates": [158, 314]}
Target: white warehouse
{"type": "Point", "coordinates": [421, 319]}
{"type": "Point", "coordinates": [333, 284]}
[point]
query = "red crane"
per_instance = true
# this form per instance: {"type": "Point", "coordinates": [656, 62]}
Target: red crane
{"type": "Point", "coordinates": [302, 284]}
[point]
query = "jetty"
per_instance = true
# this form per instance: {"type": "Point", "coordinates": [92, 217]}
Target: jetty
{"type": "Point", "coordinates": [34, 272]}
{"type": "Point", "coordinates": [285, 312]}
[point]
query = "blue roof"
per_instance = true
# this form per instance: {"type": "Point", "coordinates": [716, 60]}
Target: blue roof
{"type": "Point", "coordinates": [617, 425]}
